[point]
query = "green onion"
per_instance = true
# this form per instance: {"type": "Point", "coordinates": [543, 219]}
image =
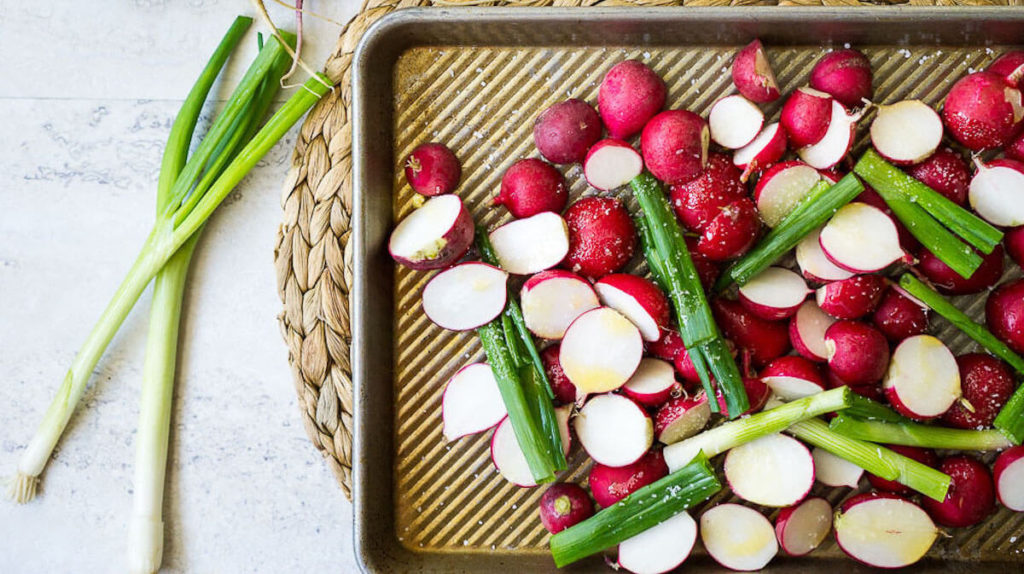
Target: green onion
{"type": "Point", "coordinates": [866, 408]}
{"type": "Point", "coordinates": [640, 511]}
{"type": "Point", "coordinates": [1010, 420]}
{"type": "Point", "coordinates": [915, 434]}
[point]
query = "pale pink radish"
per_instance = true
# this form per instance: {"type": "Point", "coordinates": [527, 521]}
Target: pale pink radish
{"type": "Point", "coordinates": [531, 245]}
{"type": "Point", "coordinates": [602, 237]}
{"type": "Point", "coordinates": [947, 281]}
{"type": "Point", "coordinates": [465, 296]}
{"type": "Point", "coordinates": [752, 74]}
{"type": "Point", "coordinates": [434, 236]}
{"type": "Point", "coordinates": [834, 471]}
{"type": "Point", "coordinates": [857, 352]}
{"type": "Point", "coordinates": [924, 456]}
{"type": "Point", "coordinates": [561, 386]}
{"type": "Point", "coordinates": [851, 298]}
{"type": "Point", "coordinates": [763, 340]}
{"type": "Point", "coordinates": [861, 238]}
{"type": "Point", "coordinates": [838, 139]}
{"type": "Point", "coordinates": [653, 383]}
{"type": "Point", "coordinates": [610, 484]}
{"type": "Point", "coordinates": [675, 146]}
{"type": "Point", "coordinates": [1010, 65]}
{"type": "Point", "coordinates": [565, 131]}
{"type": "Point", "coordinates": [884, 530]}
{"type": "Point", "coordinates": [845, 74]}
{"type": "Point", "coordinates": [807, 331]}
{"type": "Point", "coordinates": [639, 300]}
{"type": "Point", "coordinates": [781, 188]}
{"type": "Point", "coordinates": [531, 186]}
{"type": "Point", "coordinates": [629, 96]}
{"type": "Point", "coordinates": [600, 351]}
{"type": "Point", "coordinates": [551, 300]}
{"type": "Point", "coordinates": [775, 293]}
{"type": "Point", "coordinates": [681, 418]}
{"type": "Point", "coordinates": [765, 149]}
{"type": "Point", "coordinates": [983, 111]}
{"type": "Point", "coordinates": [564, 504]}
{"type": "Point", "coordinates": [738, 537]}
{"type": "Point", "coordinates": [661, 548]}
{"type": "Point", "coordinates": [734, 121]}
{"type": "Point", "coordinates": [946, 172]}
{"type": "Point", "coordinates": [1014, 240]}
{"type": "Point", "coordinates": [813, 262]}
{"type": "Point", "coordinates": [471, 402]}
{"type": "Point", "coordinates": [731, 233]}
{"type": "Point", "coordinates": [432, 169]}
{"type": "Point", "coordinates": [971, 497]}
{"type": "Point", "coordinates": [774, 470]}
{"type": "Point", "coordinates": [1004, 314]}
{"type": "Point", "coordinates": [923, 379]}
{"type": "Point", "coordinates": [611, 164]}
{"type": "Point", "coordinates": [802, 528]}
{"type": "Point", "coordinates": [793, 377]}
{"type": "Point", "coordinates": [899, 317]}
{"type": "Point", "coordinates": [613, 430]}
{"type": "Point", "coordinates": [1009, 478]}
{"type": "Point", "coordinates": [906, 132]}
{"type": "Point", "coordinates": [997, 192]}
{"type": "Point", "coordinates": [805, 116]}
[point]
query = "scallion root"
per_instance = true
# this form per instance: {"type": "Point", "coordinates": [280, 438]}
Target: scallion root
{"type": "Point", "coordinates": [22, 488]}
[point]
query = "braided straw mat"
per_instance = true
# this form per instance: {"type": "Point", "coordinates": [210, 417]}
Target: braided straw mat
{"type": "Point", "coordinates": [313, 258]}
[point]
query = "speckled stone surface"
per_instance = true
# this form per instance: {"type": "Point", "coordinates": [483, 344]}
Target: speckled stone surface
{"type": "Point", "coordinates": [87, 94]}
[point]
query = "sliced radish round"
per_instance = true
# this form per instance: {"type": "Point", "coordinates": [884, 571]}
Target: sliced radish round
{"type": "Point", "coordinates": [775, 293]}
{"type": "Point", "coordinates": [802, 528]}
{"type": "Point", "coordinates": [923, 379]}
{"type": "Point", "coordinates": [613, 430]}
{"type": "Point", "coordinates": [738, 537]}
{"type": "Point", "coordinates": [793, 377]}
{"type": "Point", "coordinates": [531, 245]}
{"type": "Point", "coordinates": [807, 331]}
{"type": "Point", "coordinates": [600, 351]}
{"type": "Point", "coordinates": [781, 188]}
{"type": "Point", "coordinates": [884, 531]}
{"type": "Point", "coordinates": [997, 192]}
{"type": "Point", "coordinates": [553, 299]}
{"type": "Point", "coordinates": [813, 262]}
{"type": "Point", "coordinates": [837, 141]}
{"type": "Point", "coordinates": [832, 470]}
{"type": "Point", "coordinates": [611, 163]}
{"type": "Point", "coordinates": [861, 238]}
{"type": "Point", "coordinates": [681, 418]}
{"type": "Point", "coordinates": [465, 296]}
{"type": "Point", "coordinates": [652, 383]}
{"type": "Point", "coordinates": [660, 548]}
{"type": "Point", "coordinates": [766, 149]}
{"type": "Point", "coordinates": [774, 470]}
{"type": "Point", "coordinates": [1008, 473]}
{"type": "Point", "coordinates": [906, 132]}
{"type": "Point", "coordinates": [508, 457]}
{"type": "Point", "coordinates": [639, 299]}
{"type": "Point", "coordinates": [735, 121]}
{"type": "Point", "coordinates": [434, 236]}
{"type": "Point", "coordinates": [471, 402]}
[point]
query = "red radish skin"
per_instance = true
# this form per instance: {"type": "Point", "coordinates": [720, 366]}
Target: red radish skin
{"type": "Point", "coordinates": [564, 504]}
{"type": "Point", "coordinates": [681, 417]}
{"type": "Point", "coordinates": [774, 470]}
{"type": "Point", "coordinates": [471, 402]}
{"type": "Point", "coordinates": [653, 383]}
{"type": "Point", "coordinates": [738, 537]}
{"type": "Point", "coordinates": [1010, 66]}
{"type": "Point", "coordinates": [996, 192]}
{"type": "Point", "coordinates": [805, 116]}
{"type": "Point", "coordinates": [699, 201]}
{"type": "Point", "coordinates": [982, 111]}
{"type": "Point", "coordinates": [758, 394]}
{"type": "Point", "coordinates": [765, 340]}
{"type": "Point", "coordinates": [950, 282]}
{"type": "Point", "coordinates": [813, 262]}
{"type": "Point", "coordinates": [767, 148]}
{"type": "Point", "coordinates": [753, 76]}
{"type": "Point", "coordinates": [924, 456]}
{"type": "Point", "coordinates": [551, 300]}
{"type": "Point", "coordinates": [1004, 314]}
{"type": "Point", "coordinates": [802, 528]}
{"type": "Point", "coordinates": [614, 430]}
{"type": "Point", "coordinates": [602, 238]}
{"type": "Point", "coordinates": [432, 169]}
{"type": "Point", "coordinates": [630, 94]}
{"type": "Point", "coordinates": [906, 132]}
{"type": "Point", "coordinates": [731, 233]}
{"type": "Point", "coordinates": [807, 331]}
{"type": "Point", "coordinates": [946, 172]}
{"type": "Point", "coordinates": [773, 294]}
{"type": "Point", "coordinates": [1014, 240]}
{"type": "Point", "coordinates": [1015, 149]}
{"type": "Point", "coordinates": [688, 372]}
{"type": "Point", "coordinates": [793, 377]}
{"type": "Point", "coordinates": [871, 391]}
{"type": "Point", "coordinates": [851, 298]}
{"type": "Point", "coordinates": [923, 379]}
{"type": "Point", "coordinates": [707, 270]}
{"type": "Point", "coordinates": [466, 296]}
{"type": "Point", "coordinates": [600, 351]}
{"type": "Point", "coordinates": [838, 140]}
{"type": "Point", "coordinates": [845, 75]}
{"type": "Point", "coordinates": [532, 186]}
{"type": "Point", "coordinates": [781, 188]}
{"type": "Point", "coordinates": [434, 236]}
{"type": "Point", "coordinates": [883, 530]}
{"type": "Point", "coordinates": [734, 121]}
{"type": "Point", "coordinates": [899, 317]}
{"type": "Point", "coordinates": [611, 484]}
{"type": "Point", "coordinates": [971, 497]}
{"type": "Point", "coordinates": [675, 146]}
{"type": "Point", "coordinates": [565, 131]}
{"type": "Point", "coordinates": [561, 386]}
{"type": "Point", "coordinates": [857, 352]}
{"type": "Point", "coordinates": [639, 299]}
{"type": "Point", "coordinates": [1008, 472]}
{"type": "Point", "coordinates": [531, 245]}
{"type": "Point", "coordinates": [611, 164]}
{"type": "Point", "coordinates": [667, 347]}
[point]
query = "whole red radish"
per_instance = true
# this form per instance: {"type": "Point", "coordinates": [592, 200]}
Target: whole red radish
{"type": "Point", "coordinates": [685, 368]}
{"type": "Point", "coordinates": [952, 283]}
{"type": "Point", "coordinates": [996, 192]}
{"type": "Point", "coordinates": [946, 172]}
{"type": "Point", "coordinates": [675, 146]}
{"type": "Point", "coordinates": [1014, 240]}
{"type": "Point", "coordinates": [805, 116]}
{"type": "Point", "coordinates": [764, 340]}
{"type": "Point", "coordinates": [845, 75]}
{"type": "Point", "coordinates": [987, 384]}
{"type": "Point", "coordinates": [698, 201]}
{"type": "Point", "coordinates": [753, 76]}
{"type": "Point", "coordinates": [561, 386]}
{"type": "Point", "coordinates": [681, 417]}
{"type": "Point", "coordinates": [565, 131]}
{"type": "Point", "coordinates": [857, 352]}
{"type": "Point", "coordinates": [434, 236]}
{"type": "Point", "coordinates": [1004, 314]}
{"type": "Point", "coordinates": [564, 504]}
{"type": "Point", "coordinates": [667, 347]}
{"type": "Point", "coordinates": [982, 111]}
{"type": "Point", "coordinates": [639, 299]}
{"type": "Point", "coordinates": [899, 317]}
{"type": "Point", "coordinates": [610, 484]}
{"type": "Point", "coordinates": [731, 233]}
{"type": "Point", "coordinates": [971, 496]}
{"type": "Point", "coordinates": [1009, 478]}
{"type": "Point", "coordinates": [602, 237]}
{"type": "Point", "coordinates": [851, 298]}
{"type": "Point", "coordinates": [871, 391]}
{"type": "Point", "coordinates": [629, 96]}
{"type": "Point", "coordinates": [432, 169]}
{"type": "Point", "coordinates": [924, 456]}
{"type": "Point", "coordinates": [531, 186]}
{"type": "Point", "coordinates": [1010, 66]}
{"type": "Point", "coordinates": [758, 394]}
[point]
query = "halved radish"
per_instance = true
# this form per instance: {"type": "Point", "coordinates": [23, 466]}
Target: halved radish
{"type": "Point", "coordinates": [759, 339]}
{"type": "Point", "coordinates": [613, 430]}
{"type": "Point", "coordinates": [653, 382]}
{"type": "Point", "coordinates": [813, 262]}
{"type": "Point", "coordinates": [563, 415]}
{"type": "Point", "coordinates": [752, 74]}
{"type": "Point", "coordinates": [465, 296]}
{"type": "Point", "coordinates": [639, 299]}
{"type": "Point", "coordinates": [861, 238]}
{"type": "Point", "coordinates": [775, 293]}
{"type": "Point", "coordinates": [471, 402]}
{"type": "Point", "coordinates": [774, 470]}
{"type": "Point", "coordinates": [923, 380]}
{"type": "Point", "coordinates": [884, 530]}
{"type": "Point", "coordinates": [531, 245]}
{"type": "Point", "coordinates": [801, 528]}
{"type": "Point", "coordinates": [553, 299]}
{"type": "Point", "coordinates": [508, 457]}
{"type": "Point", "coordinates": [738, 537]}
{"type": "Point", "coordinates": [611, 163]}
{"type": "Point", "coordinates": [793, 377]}
{"type": "Point", "coordinates": [807, 331]}
{"type": "Point", "coordinates": [610, 484]}
{"type": "Point", "coordinates": [837, 141]}
{"type": "Point", "coordinates": [434, 236]}
{"type": "Point", "coordinates": [681, 417]}
{"type": "Point", "coordinates": [766, 149]}
{"type": "Point", "coordinates": [997, 192]}
{"type": "Point", "coordinates": [661, 548]}
{"type": "Point", "coordinates": [735, 121]}
{"type": "Point", "coordinates": [906, 132]}
{"type": "Point", "coordinates": [781, 188]}
{"type": "Point", "coordinates": [832, 470]}
{"type": "Point", "coordinates": [600, 351]}
{"type": "Point", "coordinates": [805, 116]}
{"type": "Point", "coordinates": [1009, 478]}
{"type": "Point", "coordinates": [851, 298]}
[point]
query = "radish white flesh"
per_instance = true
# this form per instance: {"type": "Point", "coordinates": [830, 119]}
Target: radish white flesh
{"type": "Point", "coordinates": [802, 528]}
{"type": "Point", "coordinates": [807, 331]}
{"type": "Point", "coordinates": [531, 245]}
{"type": "Point", "coordinates": [861, 238]}
{"type": "Point", "coordinates": [997, 194]}
{"type": "Point", "coordinates": [923, 379]}
{"type": "Point", "coordinates": [885, 532]}
{"type": "Point", "coordinates": [465, 296]}
{"type": "Point", "coordinates": [600, 351]}
{"type": "Point", "coordinates": [792, 388]}
{"type": "Point", "coordinates": [907, 131]}
{"type": "Point", "coordinates": [660, 548]}
{"type": "Point", "coordinates": [508, 457]}
{"type": "Point", "coordinates": [552, 300]}
{"type": "Point", "coordinates": [775, 293]}
{"type": "Point", "coordinates": [738, 537]}
{"type": "Point", "coordinates": [613, 430]}
{"type": "Point", "coordinates": [631, 307]}
{"type": "Point", "coordinates": [735, 121]}
{"type": "Point", "coordinates": [774, 470]}
{"type": "Point", "coordinates": [471, 402]}
{"type": "Point", "coordinates": [681, 418]}
{"type": "Point", "coordinates": [779, 192]}
{"type": "Point", "coordinates": [653, 380]}
{"type": "Point", "coordinates": [611, 164]}
{"type": "Point", "coordinates": [837, 141]}
{"type": "Point", "coordinates": [1009, 478]}
{"type": "Point", "coordinates": [434, 236]}
{"type": "Point", "coordinates": [813, 262]}
{"type": "Point", "coordinates": [832, 470]}
{"type": "Point", "coordinates": [748, 153]}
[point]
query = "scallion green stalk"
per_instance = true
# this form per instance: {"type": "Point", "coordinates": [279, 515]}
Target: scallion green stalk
{"type": "Point", "coordinates": [916, 434]}
{"type": "Point", "coordinates": [866, 408]}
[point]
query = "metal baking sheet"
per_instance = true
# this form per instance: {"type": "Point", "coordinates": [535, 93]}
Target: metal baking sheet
{"type": "Point", "coordinates": [475, 79]}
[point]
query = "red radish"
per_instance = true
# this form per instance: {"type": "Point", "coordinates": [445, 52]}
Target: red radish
{"type": "Point", "coordinates": [531, 245]}
{"type": "Point", "coordinates": [652, 384]}
{"type": "Point", "coordinates": [813, 262]}
{"type": "Point", "coordinates": [564, 504]}
{"type": "Point", "coordinates": [924, 456]}
{"type": "Point", "coordinates": [699, 201]}
{"type": "Point", "coordinates": [757, 392]}
{"type": "Point", "coordinates": [667, 347]}
{"type": "Point", "coordinates": [802, 528]}
{"type": "Point", "coordinates": [552, 299]}
{"type": "Point", "coordinates": [675, 146]}
{"type": "Point", "coordinates": [565, 131]}
{"type": "Point", "coordinates": [1009, 478]}
{"type": "Point", "coordinates": [845, 74]}
{"type": "Point", "coordinates": [1015, 149]}
{"type": "Point", "coordinates": [1014, 240]}
{"type": "Point", "coordinates": [1004, 314]}
{"type": "Point", "coordinates": [857, 352]}
{"type": "Point", "coordinates": [861, 238]}
{"type": "Point", "coordinates": [923, 379]}
{"type": "Point", "coordinates": [971, 496]}
{"type": "Point", "coordinates": [781, 188]}
{"type": "Point", "coordinates": [611, 163]}
{"type": "Point", "coordinates": [471, 402]}
{"type": "Point", "coordinates": [793, 377]}
{"type": "Point", "coordinates": [775, 293]}
{"type": "Point", "coordinates": [561, 386]}
{"type": "Point", "coordinates": [685, 368]}
{"type": "Point", "coordinates": [907, 240]}
{"type": "Point", "coordinates": [884, 530]}
{"type": "Point", "coordinates": [731, 233]}
{"type": "Point", "coordinates": [765, 340]}
{"type": "Point", "coordinates": [610, 484]}
{"type": "Point", "coordinates": [531, 186]}
{"type": "Point", "coordinates": [753, 76]}
{"type": "Point", "coordinates": [465, 296]}
{"type": "Point", "coordinates": [906, 132]}
{"type": "Point", "coordinates": [899, 317]}
{"type": "Point", "coordinates": [600, 351]}
{"type": "Point", "coordinates": [734, 121]}
{"type": "Point", "coordinates": [432, 169]}
{"type": "Point", "coordinates": [851, 298]}
{"type": "Point", "coordinates": [434, 236]}
{"type": "Point", "coordinates": [805, 116]}
{"type": "Point", "coordinates": [807, 331]}
{"type": "Point", "coordinates": [508, 457]}
{"type": "Point", "coordinates": [774, 470]}
{"type": "Point", "coordinates": [707, 270]}
{"type": "Point", "coordinates": [681, 417]}
{"type": "Point", "coordinates": [602, 237]}
{"type": "Point", "coordinates": [832, 470]}
{"type": "Point", "coordinates": [767, 148]}
{"type": "Point", "coordinates": [871, 391]}
{"type": "Point", "coordinates": [639, 299]}
{"type": "Point", "coordinates": [660, 548]}
{"type": "Point", "coordinates": [1009, 65]}
{"type": "Point", "coordinates": [946, 172]}
{"type": "Point", "coordinates": [952, 283]}
{"type": "Point", "coordinates": [838, 139]}
{"type": "Point", "coordinates": [613, 430]}
{"type": "Point", "coordinates": [629, 96]}
{"type": "Point", "coordinates": [997, 192]}
{"type": "Point", "coordinates": [738, 537]}
{"type": "Point", "coordinates": [983, 111]}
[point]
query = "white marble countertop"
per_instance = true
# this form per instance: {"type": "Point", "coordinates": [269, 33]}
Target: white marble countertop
{"type": "Point", "coordinates": [87, 95]}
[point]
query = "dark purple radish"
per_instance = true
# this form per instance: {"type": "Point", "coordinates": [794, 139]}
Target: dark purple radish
{"type": "Point", "coordinates": [765, 149]}
{"type": "Point", "coordinates": [731, 233]}
{"type": "Point", "coordinates": [946, 172]}
{"type": "Point", "coordinates": [982, 111]}
{"type": "Point", "coordinates": [734, 121]}
{"type": "Point", "coordinates": [629, 96]}
{"type": "Point", "coordinates": [681, 417]}
{"type": "Point", "coordinates": [1010, 66]}
{"type": "Point", "coordinates": [835, 471]}
{"type": "Point", "coordinates": [551, 300]}
{"type": "Point", "coordinates": [1014, 240]}
{"type": "Point", "coordinates": [805, 116]}
{"type": "Point", "coordinates": [561, 386]}
{"type": "Point", "coordinates": [1004, 314]}
{"type": "Point", "coordinates": [773, 294]}
{"type": "Point", "coordinates": [564, 504]}
{"type": "Point", "coordinates": [764, 340]}
{"type": "Point", "coordinates": [857, 352]}
{"type": "Point", "coordinates": [738, 537]}
{"type": "Point", "coordinates": [639, 300]}
{"type": "Point", "coordinates": [531, 186]}
{"type": "Point", "coordinates": [971, 497]}
{"type": "Point", "coordinates": [531, 245]}
{"type": "Point", "coordinates": [1008, 474]}
{"type": "Point", "coordinates": [653, 383]}
{"type": "Point", "coordinates": [924, 456]}
{"type": "Point", "coordinates": [434, 236]}
{"type": "Point", "coordinates": [471, 402]}
{"type": "Point", "coordinates": [793, 377]}
{"type": "Point", "coordinates": [565, 131]}
{"type": "Point", "coordinates": [432, 169]}
{"type": "Point", "coordinates": [845, 75]}
{"type": "Point", "coordinates": [899, 317]}
{"type": "Point", "coordinates": [611, 164]}
{"type": "Point", "coordinates": [861, 238]}
{"type": "Point", "coordinates": [602, 237]}
{"type": "Point", "coordinates": [661, 548]}
{"type": "Point", "coordinates": [667, 347]}
{"type": "Point", "coordinates": [906, 132]}
{"type": "Point", "coordinates": [699, 201]}
{"type": "Point", "coordinates": [813, 262]}
{"type": "Point", "coordinates": [838, 139]}
{"type": "Point", "coordinates": [923, 379]}
{"type": "Point", "coordinates": [884, 530]}
{"type": "Point", "coordinates": [774, 470]}
{"type": "Point", "coordinates": [807, 331]}
{"type": "Point", "coordinates": [610, 484]}
{"type": "Point", "coordinates": [851, 298]}
{"type": "Point", "coordinates": [675, 146]}
{"type": "Point", "coordinates": [613, 430]}
{"type": "Point", "coordinates": [753, 76]}
{"type": "Point", "coordinates": [950, 282]}
{"type": "Point", "coordinates": [997, 192]}
{"type": "Point", "coordinates": [600, 351]}
{"type": "Point", "coordinates": [802, 528]}
{"type": "Point", "coordinates": [757, 392]}
{"type": "Point", "coordinates": [781, 188]}
{"type": "Point", "coordinates": [466, 296]}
